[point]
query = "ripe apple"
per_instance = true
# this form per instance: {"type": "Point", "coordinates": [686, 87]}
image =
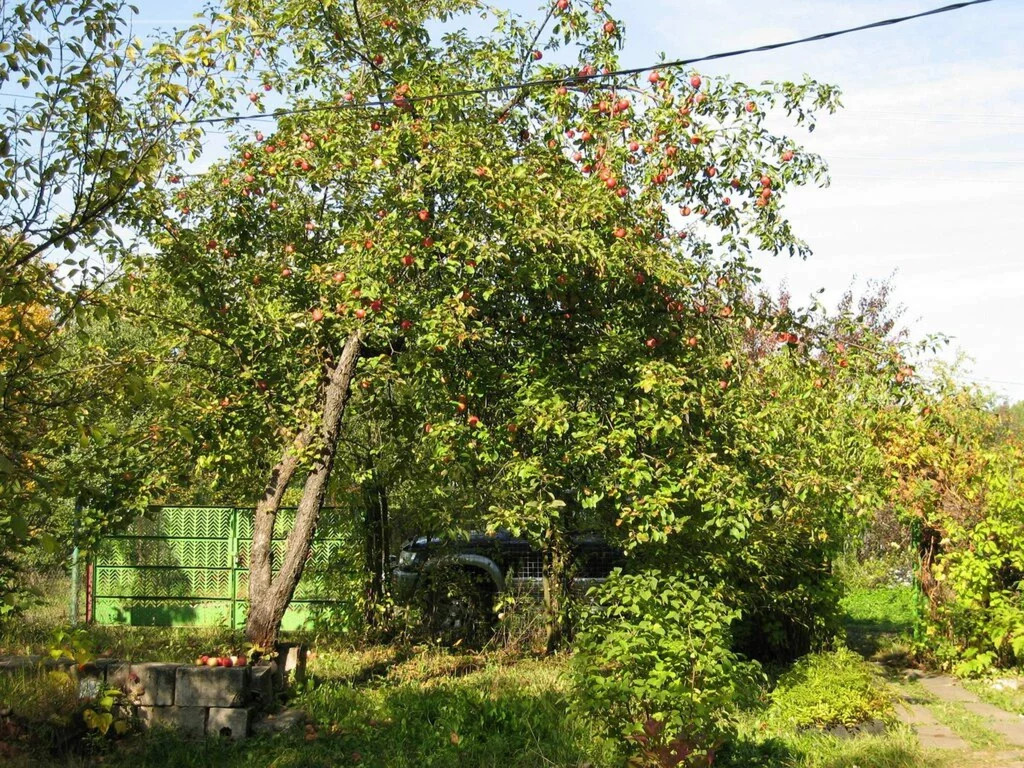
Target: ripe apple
{"type": "Point", "coordinates": [254, 97]}
{"type": "Point", "coordinates": [654, 77]}
{"type": "Point", "coordinates": [695, 81]}
{"type": "Point", "coordinates": [338, 277]}
{"type": "Point", "coordinates": [710, 171]}
{"type": "Point", "coordinates": [201, 661]}
{"type": "Point", "coordinates": [405, 325]}
{"type": "Point", "coordinates": [286, 272]}
{"type": "Point", "coordinates": [651, 343]}
{"type": "Point", "coordinates": [562, 5]}
{"type": "Point", "coordinates": [225, 661]}
{"type": "Point", "coordinates": [473, 420]}
{"type": "Point", "coordinates": [609, 27]}
{"type": "Point", "coordinates": [374, 126]}
{"type": "Point", "coordinates": [692, 341]}
{"type": "Point", "coordinates": [424, 215]}
{"type": "Point", "coordinates": [239, 661]}
{"type": "Point", "coordinates": [376, 305]}
{"type": "Point", "coordinates": [428, 242]}
{"type": "Point", "coordinates": [317, 314]}
{"type": "Point", "coordinates": [261, 385]}
{"type": "Point", "coordinates": [787, 155]}
{"type": "Point", "coordinates": [634, 146]}
{"type": "Point", "coordinates": [620, 232]}
{"type": "Point", "coordinates": [537, 55]}
{"type": "Point", "coordinates": [360, 313]}
{"type": "Point", "coordinates": [751, 106]}
{"type": "Point", "coordinates": [212, 661]}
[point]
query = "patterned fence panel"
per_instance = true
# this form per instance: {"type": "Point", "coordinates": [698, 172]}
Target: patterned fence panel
{"type": "Point", "coordinates": [188, 566]}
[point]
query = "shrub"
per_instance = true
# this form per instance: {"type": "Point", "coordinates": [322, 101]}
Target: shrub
{"type": "Point", "coordinates": [654, 665]}
{"type": "Point", "coordinates": [978, 621]}
{"type": "Point", "coordinates": [829, 689]}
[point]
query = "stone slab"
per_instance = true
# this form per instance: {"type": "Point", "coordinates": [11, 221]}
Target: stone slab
{"type": "Point", "coordinates": [187, 721]}
{"type": "Point", "coordinates": [1006, 724]}
{"type": "Point", "coordinates": [945, 688]}
{"type": "Point", "coordinates": [19, 662]}
{"type": "Point", "coordinates": [229, 722]}
{"type": "Point", "coordinates": [279, 722]}
{"type": "Point", "coordinates": [153, 684]}
{"type": "Point", "coordinates": [212, 686]}
{"type": "Point", "coordinates": [930, 732]}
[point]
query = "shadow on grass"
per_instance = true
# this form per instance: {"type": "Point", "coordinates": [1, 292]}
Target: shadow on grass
{"type": "Point", "coordinates": [444, 725]}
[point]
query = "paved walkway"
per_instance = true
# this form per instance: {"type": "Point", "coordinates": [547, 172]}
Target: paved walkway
{"type": "Point", "coordinates": [946, 694]}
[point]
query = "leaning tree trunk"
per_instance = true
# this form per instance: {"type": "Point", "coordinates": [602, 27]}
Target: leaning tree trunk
{"type": "Point", "coordinates": [269, 595]}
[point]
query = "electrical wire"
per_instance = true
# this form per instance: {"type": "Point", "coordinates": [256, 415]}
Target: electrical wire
{"type": "Point", "coordinates": [581, 78]}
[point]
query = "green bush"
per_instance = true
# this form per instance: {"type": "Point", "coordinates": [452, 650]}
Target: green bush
{"type": "Point", "coordinates": [654, 665]}
{"type": "Point", "coordinates": [829, 689]}
{"type": "Point", "coordinates": [979, 621]}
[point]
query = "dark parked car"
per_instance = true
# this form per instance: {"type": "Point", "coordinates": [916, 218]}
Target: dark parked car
{"type": "Point", "coordinates": [455, 582]}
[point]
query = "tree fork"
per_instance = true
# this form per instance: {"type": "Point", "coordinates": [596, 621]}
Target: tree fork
{"type": "Point", "coordinates": [268, 596]}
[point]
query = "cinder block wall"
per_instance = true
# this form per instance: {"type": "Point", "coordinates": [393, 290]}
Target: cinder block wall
{"type": "Point", "coordinates": [193, 700]}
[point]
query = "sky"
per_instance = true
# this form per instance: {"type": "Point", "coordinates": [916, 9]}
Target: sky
{"type": "Point", "coordinates": [926, 157]}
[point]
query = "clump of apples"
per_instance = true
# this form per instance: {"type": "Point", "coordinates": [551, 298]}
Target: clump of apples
{"type": "Point", "coordinates": [221, 661]}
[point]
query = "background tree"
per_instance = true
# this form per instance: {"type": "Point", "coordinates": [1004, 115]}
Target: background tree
{"type": "Point", "coordinates": [93, 117]}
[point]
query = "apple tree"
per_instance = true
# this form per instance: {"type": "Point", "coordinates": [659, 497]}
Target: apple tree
{"type": "Point", "coordinates": [532, 262]}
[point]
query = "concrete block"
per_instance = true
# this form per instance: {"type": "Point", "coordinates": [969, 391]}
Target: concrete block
{"type": "Point", "coordinates": [188, 721]}
{"type": "Point", "coordinates": [91, 679]}
{"type": "Point", "coordinates": [229, 722]}
{"type": "Point", "coordinates": [16, 663]}
{"type": "Point", "coordinates": [292, 657]}
{"type": "Point", "coordinates": [153, 684]}
{"type": "Point", "coordinates": [212, 686]}
{"type": "Point", "coordinates": [118, 675]}
{"type": "Point", "coordinates": [285, 720]}
{"type": "Point", "coordinates": [262, 686]}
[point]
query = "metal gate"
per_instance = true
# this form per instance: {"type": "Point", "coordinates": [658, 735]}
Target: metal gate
{"type": "Point", "coordinates": [188, 566]}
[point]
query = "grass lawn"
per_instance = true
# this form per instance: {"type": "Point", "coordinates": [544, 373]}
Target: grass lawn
{"type": "Point", "coordinates": [880, 622]}
{"type": "Point", "coordinates": [395, 708]}
{"type": "Point", "coordinates": [406, 706]}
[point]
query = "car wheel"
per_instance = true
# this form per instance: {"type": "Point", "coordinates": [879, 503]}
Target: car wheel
{"type": "Point", "coordinates": [458, 605]}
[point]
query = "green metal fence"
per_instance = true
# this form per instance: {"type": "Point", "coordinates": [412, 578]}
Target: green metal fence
{"type": "Point", "coordinates": [188, 566]}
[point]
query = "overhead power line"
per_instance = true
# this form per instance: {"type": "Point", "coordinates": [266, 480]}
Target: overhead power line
{"type": "Point", "coordinates": [579, 78]}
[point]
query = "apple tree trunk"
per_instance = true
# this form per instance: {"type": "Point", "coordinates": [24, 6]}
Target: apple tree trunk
{"type": "Point", "coordinates": [270, 593]}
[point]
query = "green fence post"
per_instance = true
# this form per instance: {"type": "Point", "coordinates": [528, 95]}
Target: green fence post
{"type": "Point", "coordinates": [233, 564]}
{"type": "Point", "coordinates": [75, 582]}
